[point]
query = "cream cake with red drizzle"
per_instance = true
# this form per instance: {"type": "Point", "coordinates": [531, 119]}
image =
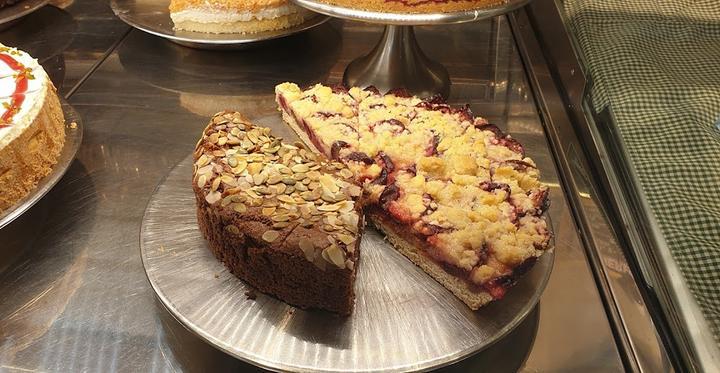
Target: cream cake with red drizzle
{"type": "Point", "coordinates": [416, 6]}
{"type": "Point", "coordinates": [31, 125]}
{"type": "Point", "coordinates": [236, 16]}
{"type": "Point", "coordinates": [452, 192]}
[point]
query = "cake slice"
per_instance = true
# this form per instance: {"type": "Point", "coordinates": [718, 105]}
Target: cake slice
{"type": "Point", "coordinates": [452, 192]}
{"type": "Point", "coordinates": [278, 216]}
{"type": "Point", "coordinates": [236, 16]}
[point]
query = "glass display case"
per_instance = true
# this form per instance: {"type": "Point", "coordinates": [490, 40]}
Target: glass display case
{"type": "Point", "coordinates": [76, 295]}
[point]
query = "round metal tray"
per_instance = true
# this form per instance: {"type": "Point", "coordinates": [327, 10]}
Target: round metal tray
{"type": "Point", "coordinates": [411, 19]}
{"type": "Point", "coordinates": [403, 319]}
{"type": "Point", "coordinates": [73, 138]}
{"type": "Point", "coordinates": [153, 16]}
{"type": "Point", "coordinates": [11, 14]}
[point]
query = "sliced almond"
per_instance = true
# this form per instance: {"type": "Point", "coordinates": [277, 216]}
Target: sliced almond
{"type": "Point", "coordinates": [308, 248]}
{"type": "Point", "coordinates": [345, 238]}
{"type": "Point", "coordinates": [213, 197]}
{"type": "Point", "coordinates": [270, 235]}
{"type": "Point", "coordinates": [334, 255]}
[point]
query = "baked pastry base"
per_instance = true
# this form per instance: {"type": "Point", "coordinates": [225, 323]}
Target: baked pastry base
{"type": "Point", "coordinates": [31, 156]}
{"type": "Point", "coordinates": [472, 296]}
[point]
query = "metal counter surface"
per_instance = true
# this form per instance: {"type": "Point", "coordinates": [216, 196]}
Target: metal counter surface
{"type": "Point", "coordinates": [75, 296]}
{"type": "Point", "coordinates": [68, 37]}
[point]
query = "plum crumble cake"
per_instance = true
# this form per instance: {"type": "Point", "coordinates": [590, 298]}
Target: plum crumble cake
{"type": "Point", "coordinates": [452, 192]}
{"type": "Point", "coordinates": [277, 215]}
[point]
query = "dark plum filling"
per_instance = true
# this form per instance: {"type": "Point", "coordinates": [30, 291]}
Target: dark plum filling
{"type": "Point", "coordinates": [339, 89]}
{"type": "Point", "coordinates": [387, 168]}
{"type": "Point", "coordinates": [372, 89]}
{"type": "Point", "coordinates": [400, 92]}
{"type": "Point", "coordinates": [431, 150]}
{"type": "Point", "coordinates": [389, 194]}
{"type": "Point", "coordinates": [396, 126]}
{"type": "Point", "coordinates": [437, 103]}
{"type": "Point", "coordinates": [519, 165]}
{"type": "Point", "coordinates": [360, 157]}
{"type": "Point", "coordinates": [511, 144]}
{"type": "Point", "coordinates": [325, 114]}
{"type": "Point", "coordinates": [336, 147]}
{"type": "Point", "coordinates": [490, 186]}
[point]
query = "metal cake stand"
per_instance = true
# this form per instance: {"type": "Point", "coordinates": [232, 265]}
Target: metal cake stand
{"type": "Point", "coordinates": [73, 138]}
{"type": "Point", "coordinates": [10, 15]}
{"type": "Point", "coordinates": [397, 60]}
{"type": "Point", "coordinates": [153, 17]}
{"type": "Point", "coordinates": [403, 319]}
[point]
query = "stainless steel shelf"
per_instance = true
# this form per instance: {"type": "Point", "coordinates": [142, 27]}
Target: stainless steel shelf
{"type": "Point", "coordinates": [75, 294]}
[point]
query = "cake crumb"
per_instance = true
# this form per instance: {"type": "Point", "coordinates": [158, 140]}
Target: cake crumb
{"type": "Point", "coordinates": [73, 125]}
{"type": "Point", "coordinates": [250, 294]}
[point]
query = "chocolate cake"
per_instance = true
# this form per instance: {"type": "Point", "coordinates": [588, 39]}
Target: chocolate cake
{"type": "Point", "coordinates": [280, 217]}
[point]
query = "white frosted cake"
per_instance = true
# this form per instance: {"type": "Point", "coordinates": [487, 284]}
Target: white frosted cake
{"type": "Point", "coordinates": [235, 16]}
{"type": "Point", "coordinates": [31, 125]}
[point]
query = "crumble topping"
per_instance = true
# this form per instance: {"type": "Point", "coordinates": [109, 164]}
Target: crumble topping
{"type": "Point", "coordinates": [458, 182]}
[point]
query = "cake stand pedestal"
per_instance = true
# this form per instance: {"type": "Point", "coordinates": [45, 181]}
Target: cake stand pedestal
{"type": "Point", "coordinates": [397, 60]}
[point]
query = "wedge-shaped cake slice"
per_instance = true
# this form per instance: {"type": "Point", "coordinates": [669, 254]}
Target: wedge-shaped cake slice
{"type": "Point", "coordinates": [279, 216]}
{"type": "Point", "coordinates": [452, 193]}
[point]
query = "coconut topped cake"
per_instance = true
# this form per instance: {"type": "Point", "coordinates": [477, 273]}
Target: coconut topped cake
{"type": "Point", "coordinates": [236, 16]}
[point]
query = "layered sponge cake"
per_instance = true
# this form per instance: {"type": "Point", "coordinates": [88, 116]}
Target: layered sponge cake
{"type": "Point", "coordinates": [236, 16]}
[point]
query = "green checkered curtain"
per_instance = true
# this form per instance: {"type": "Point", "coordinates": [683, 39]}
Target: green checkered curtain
{"type": "Point", "coordinates": [656, 65]}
